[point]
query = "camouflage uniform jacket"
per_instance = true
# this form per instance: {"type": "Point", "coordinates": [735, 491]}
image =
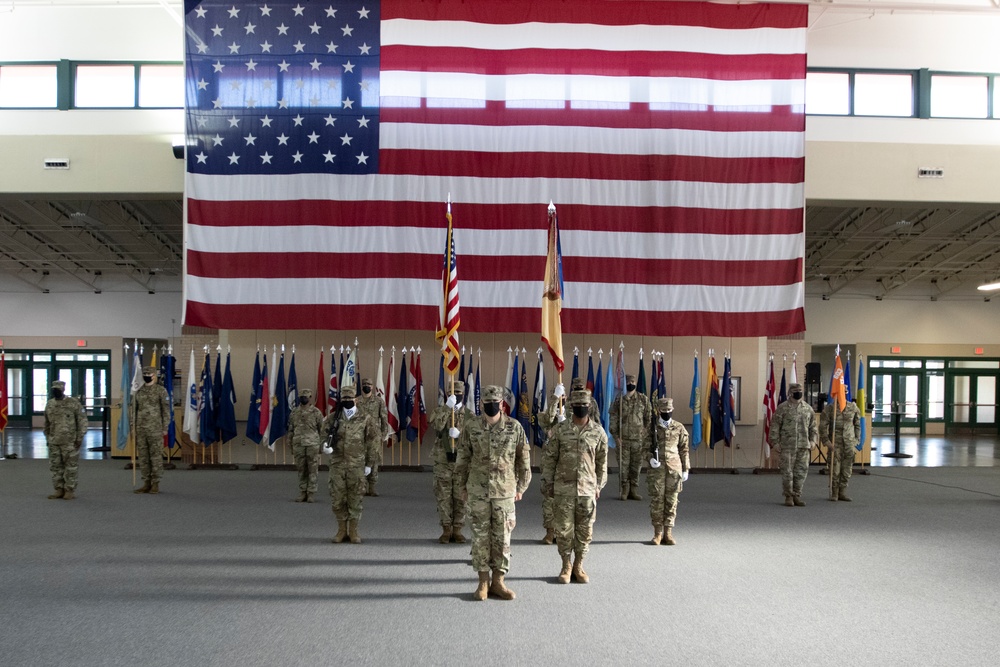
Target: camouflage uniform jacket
{"type": "Point", "coordinates": [548, 419]}
{"type": "Point", "coordinates": [672, 444]}
{"type": "Point", "coordinates": [65, 422]}
{"type": "Point", "coordinates": [375, 407]}
{"type": "Point", "coordinates": [305, 426]}
{"type": "Point", "coordinates": [576, 459]}
{"type": "Point", "coordinates": [793, 426]}
{"type": "Point", "coordinates": [440, 423]}
{"type": "Point", "coordinates": [848, 424]}
{"type": "Point", "coordinates": [357, 442]}
{"type": "Point", "coordinates": [636, 417]}
{"type": "Point", "coordinates": [494, 460]}
{"type": "Point", "coordinates": [152, 408]}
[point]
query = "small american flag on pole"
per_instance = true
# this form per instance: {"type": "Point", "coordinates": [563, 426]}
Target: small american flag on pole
{"type": "Point", "coordinates": [447, 334]}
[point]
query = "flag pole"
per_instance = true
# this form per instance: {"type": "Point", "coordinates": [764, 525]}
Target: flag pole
{"type": "Point", "coordinates": [833, 433]}
{"type": "Point", "coordinates": [621, 475]}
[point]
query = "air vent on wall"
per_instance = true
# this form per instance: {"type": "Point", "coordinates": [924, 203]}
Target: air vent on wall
{"type": "Point", "coordinates": [56, 163]}
{"type": "Point", "coordinates": [930, 172]}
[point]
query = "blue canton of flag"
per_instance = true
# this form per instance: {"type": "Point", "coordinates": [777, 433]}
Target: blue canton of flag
{"type": "Point", "coordinates": [282, 87]}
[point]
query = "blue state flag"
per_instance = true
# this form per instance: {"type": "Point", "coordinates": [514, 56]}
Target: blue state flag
{"type": "Point", "coordinates": [728, 404]}
{"type": "Point", "coordinates": [167, 364]}
{"type": "Point", "coordinates": [227, 406]}
{"type": "Point", "coordinates": [207, 430]}
{"type": "Point", "coordinates": [293, 388]}
{"type": "Point", "coordinates": [253, 409]}
{"type": "Point", "coordinates": [609, 389]}
{"type": "Point", "coordinates": [695, 404]}
{"type": "Point", "coordinates": [279, 412]}
{"type": "Point", "coordinates": [217, 394]}
{"type": "Point", "coordinates": [515, 384]}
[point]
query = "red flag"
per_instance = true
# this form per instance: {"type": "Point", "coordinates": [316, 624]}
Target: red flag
{"type": "Point", "coordinates": [321, 387]}
{"type": "Point", "coordinates": [418, 418]}
{"type": "Point", "coordinates": [265, 397]}
{"type": "Point", "coordinates": [3, 392]}
{"type": "Point", "coordinates": [768, 409]}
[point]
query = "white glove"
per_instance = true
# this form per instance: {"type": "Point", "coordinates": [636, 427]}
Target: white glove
{"type": "Point", "coordinates": [454, 432]}
{"type": "Point", "coordinates": [654, 463]}
{"type": "Point", "coordinates": [327, 449]}
{"type": "Point", "coordinates": [368, 470]}
{"type": "Point", "coordinates": [451, 402]}
{"type": "Point", "coordinates": [560, 390]}
{"type": "Point", "coordinates": [684, 475]}
{"type": "Point", "coordinates": [561, 417]}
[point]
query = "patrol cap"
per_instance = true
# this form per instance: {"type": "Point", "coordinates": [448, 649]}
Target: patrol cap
{"type": "Point", "coordinates": [492, 394]}
{"type": "Point", "coordinates": [148, 370]}
{"type": "Point", "coordinates": [629, 379]}
{"type": "Point", "coordinates": [580, 397]}
{"type": "Point", "coordinates": [794, 386]}
{"type": "Point", "coordinates": [577, 383]}
{"type": "Point", "coordinates": [348, 392]}
{"type": "Point", "coordinates": [665, 405]}
{"type": "Point", "coordinates": [58, 384]}
{"type": "Point", "coordinates": [306, 393]}
{"type": "Point", "coordinates": [459, 387]}
{"type": "Point", "coordinates": [366, 382]}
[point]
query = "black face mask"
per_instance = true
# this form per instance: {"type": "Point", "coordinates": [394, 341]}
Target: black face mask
{"type": "Point", "coordinates": [797, 395]}
{"type": "Point", "coordinates": [57, 394]}
{"type": "Point", "coordinates": [581, 411]}
{"type": "Point", "coordinates": [630, 387]}
{"type": "Point", "coordinates": [366, 390]}
{"type": "Point", "coordinates": [458, 398]}
{"type": "Point", "coordinates": [665, 416]}
{"type": "Point", "coordinates": [491, 409]}
{"type": "Point", "coordinates": [303, 400]}
{"type": "Point", "coordinates": [347, 405]}
{"type": "Point", "coordinates": [147, 378]}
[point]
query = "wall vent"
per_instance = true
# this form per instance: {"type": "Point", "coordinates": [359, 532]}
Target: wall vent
{"type": "Point", "coordinates": [56, 163]}
{"type": "Point", "coordinates": [930, 172]}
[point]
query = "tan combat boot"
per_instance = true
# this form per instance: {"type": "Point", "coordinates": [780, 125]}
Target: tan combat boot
{"type": "Point", "coordinates": [668, 539]}
{"type": "Point", "coordinates": [633, 494]}
{"type": "Point", "coordinates": [154, 488]}
{"type": "Point", "coordinates": [578, 573]}
{"type": "Point", "coordinates": [55, 496]}
{"type": "Point", "coordinates": [499, 589]}
{"type": "Point", "coordinates": [341, 530]}
{"type": "Point", "coordinates": [788, 501]}
{"type": "Point", "coordinates": [456, 534]}
{"type": "Point", "coordinates": [144, 488]}
{"type": "Point", "coordinates": [302, 497]}
{"type": "Point", "coordinates": [549, 538]}
{"type": "Point", "coordinates": [68, 494]}
{"type": "Point", "coordinates": [842, 494]}
{"type": "Point", "coordinates": [310, 498]}
{"type": "Point", "coordinates": [352, 532]}
{"type": "Point", "coordinates": [566, 568]}
{"type": "Point", "coordinates": [798, 501]}
{"type": "Point", "coordinates": [624, 495]}
{"type": "Point", "coordinates": [484, 584]}
{"type": "Point", "coordinates": [371, 490]}
{"type": "Point", "coordinates": [445, 535]}
{"type": "Point", "coordinates": [657, 535]}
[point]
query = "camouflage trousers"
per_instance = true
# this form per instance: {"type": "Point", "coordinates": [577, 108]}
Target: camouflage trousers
{"type": "Point", "coordinates": [149, 452]}
{"type": "Point", "coordinates": [307, 466]}
{"type": "Point", "coordinates": [843, 464]}
{"type": "Point", "coordinates": [573, 524]}
{"type": "Point", "coordinates": [373, 475]}
{"type": "Point", "coordinates": [492, 522]}
{"type": "Point", "coordinates": [548, 510]}
{"type": "Point", "coordinates": [450, 506]}
{"type": "Point", "coordinates": [630, 456]}
{"type": "Point", "coordinates": [794, 463]}
{"type": "Point", "coordinates": [347, 488]}
{"type": "Point", "coordinates": [664, 486]}
{"type": "Point", "coordinates": [64, 461]}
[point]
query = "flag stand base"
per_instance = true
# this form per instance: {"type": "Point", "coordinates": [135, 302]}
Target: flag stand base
{"type": "Point", "coordinates": [213, 466]}
{"type": "Point", "coordinates": [401, 468]}
{"type": "Point", "coordinates": [716, 471]}
{"type": "Point", "coordinates": [766, 471]}
{"type": "Point", "coordinates": [280, 466]}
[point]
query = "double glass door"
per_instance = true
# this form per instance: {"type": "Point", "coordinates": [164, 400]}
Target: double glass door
{"type": "Point", "coordinates": [896, 391]}
{"type": "Point", "coordinates": [973, 401]}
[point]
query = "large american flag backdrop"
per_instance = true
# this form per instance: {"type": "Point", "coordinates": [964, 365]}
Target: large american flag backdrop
{"type": "Point", "coordinates": [324, 139]}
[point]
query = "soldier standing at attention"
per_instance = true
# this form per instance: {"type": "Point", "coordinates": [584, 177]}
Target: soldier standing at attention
{"type": "Point", "coordinates": [793, 435]}
{"type": "Point", "coordinates": [153, 413]}
{"type": "Point", "coordinates": [576, 460]}
{"type": "Point", "coordinates": [352, 455]}
{"type": "Point", "coordinates": [65, 425]}
{"type": "Point", "coordinates": [668, 470]}
{"type": "Point", "coordinates": [305, 432]}
{"type": "Point", "coordinates": [493, 470]}
{"type": "Point", "coordinates": [447, 492]}
{"type": "Point", "coordinates": [841, 449]}
{"type": "Point", "coordinates": [375, 407]}
{"type": "Point", "coordinates": [630, 421]}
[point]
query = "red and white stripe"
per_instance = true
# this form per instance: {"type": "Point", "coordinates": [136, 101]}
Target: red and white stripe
{"type": "Point", "coordinates": [669, 134]}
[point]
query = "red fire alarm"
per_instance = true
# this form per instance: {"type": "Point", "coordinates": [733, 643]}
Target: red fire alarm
{"type": "Point", "coordinates": [81, 343]}
{"type": "Point", "coordinates": [895, 349]}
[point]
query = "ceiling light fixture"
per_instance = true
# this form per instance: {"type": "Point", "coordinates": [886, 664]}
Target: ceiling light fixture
{"type": "Point", "coordinates": [989, 287]}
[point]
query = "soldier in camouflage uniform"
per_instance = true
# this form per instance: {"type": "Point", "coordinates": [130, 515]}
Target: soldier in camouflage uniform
{"type": "Point", "coordinates": [450, 504]}
{"type": "Point", "coordinates": [668, 470]}
{"type": "Point", "coordinates": [65, 424]}
{"type": "Point", "coordinates": [793, 435]}
{"type": "Point", "coordinates": [306, 433]}
{"type": "Point", "coordinates": [548, 420]}
{"type": "Point", "coordinates": [841, 449]}
{"type": "Point", "coordinates": [576, 460]}
{"type": "Point", "coordinates": [374, 406]}
{"type": "Point", "coordinates": [153, 413]}
{"type": "Point", "coordinates": [351, 459]}
{"type": "Point", "coordinates": [629, 421]}
{"type": "Point", "coordinates": [493, 469]}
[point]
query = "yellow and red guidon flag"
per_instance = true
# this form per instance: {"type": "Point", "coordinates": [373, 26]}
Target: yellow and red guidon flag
{"type": "Point", "coordinates": [837, 389]}
{"type": "Point", "coordinates": [447, 333]}
{"type": "Point", "coordinates": [552, 294]}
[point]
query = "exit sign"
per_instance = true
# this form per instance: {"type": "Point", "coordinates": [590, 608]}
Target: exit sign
{"type": "Point", "coordinates": [895, 349]}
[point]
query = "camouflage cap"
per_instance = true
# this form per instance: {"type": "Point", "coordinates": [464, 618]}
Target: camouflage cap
{"type": "Point", "coordinates": [348, 392]}
{"type": "Point", "coordinates": [58, 384]}
{"type": "Point", "coordinates": [629, 379]}
{"type": "Point", "coordinates": [580, 397]}
{"type": "Point", "coordinates": [367, 382]}
{"type": "Point", "coordinates": [459, 387]}
{"type": "Point", "coordinates": [492, 394]}
{"type": "Point", "coordinates": [577, 383]}
{"type": "Point", "coordinates": [148, 370]}
{"type": "Point", "coordinates": [665, 405]}
{"type": "Point", "coordinates": [306, 393]}
{"type": "Point", "coordinates": [793, 386]}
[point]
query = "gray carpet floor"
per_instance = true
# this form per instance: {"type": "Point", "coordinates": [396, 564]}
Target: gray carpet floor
{"type": "Point", "coordinates": [223, 569]}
